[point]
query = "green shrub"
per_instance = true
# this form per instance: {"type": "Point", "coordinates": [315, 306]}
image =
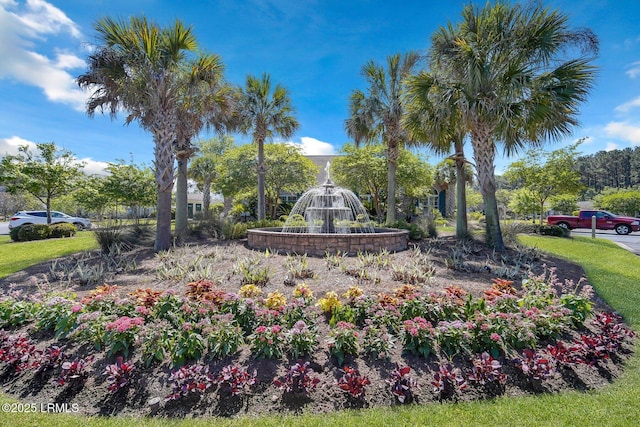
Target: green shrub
{"type": "Point", "coordinates": [554, 230]}
{"type": "Point", "coordinates": [62, 229]}
{"type": "Point", "coordinates": [33, 232]}
{"type": "Point", "coordinates": [415, 232]}
{"type": "Point", "coordinates": [13, 233]}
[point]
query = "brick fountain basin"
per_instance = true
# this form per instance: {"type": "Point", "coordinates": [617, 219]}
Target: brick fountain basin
{"type": "Point", "coordinates": [318, 244]}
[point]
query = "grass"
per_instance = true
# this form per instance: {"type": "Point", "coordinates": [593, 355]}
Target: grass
{"type": "Point", "coordinates": [16, 256]}
{"type": "Point", "coordinates": [614, 273]}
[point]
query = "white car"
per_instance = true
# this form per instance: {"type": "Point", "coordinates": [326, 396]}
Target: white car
{"type": "Point", "coordinates": [40, 217]}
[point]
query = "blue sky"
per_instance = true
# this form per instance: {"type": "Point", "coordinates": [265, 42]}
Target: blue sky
{"type": "Point", "coordinates": [314, 48]}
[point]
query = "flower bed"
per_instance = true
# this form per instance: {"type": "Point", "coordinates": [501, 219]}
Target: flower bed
{"type": "Point", "coordinates": [209, 351]}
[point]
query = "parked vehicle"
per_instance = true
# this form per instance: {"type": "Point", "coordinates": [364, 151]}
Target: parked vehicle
{"type": "Point", "coordinates": [604, 221]}
{"type": "Point", "coordinates": [40, 217]}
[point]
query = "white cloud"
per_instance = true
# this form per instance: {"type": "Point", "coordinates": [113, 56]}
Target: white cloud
{"type": "Point", "coordinates": [9, 146]}
{"type": "Point", "coordinates": [623, 131]}
{"type": "Point", "coordinates": [634, 70]}
{"type": "Point", "coordinates": [94, 167]}
{"type": "Point", "coordinates": [624, 108]}
{"type": "Point", "coordinates": [611, 146]}
{"type": "Point", "coordinates": [21, 27]}
{"type": "Point", "coordinates": [314, 147]}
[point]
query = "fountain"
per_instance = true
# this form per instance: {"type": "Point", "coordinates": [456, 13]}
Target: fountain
{"type": "Point", "coordinates": [327, 219]}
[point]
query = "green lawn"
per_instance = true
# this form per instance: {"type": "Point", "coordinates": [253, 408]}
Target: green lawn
{"type": "Point", "coordinates": [16, 256]}
{"type": "Point", "coordinates": [614, 272]}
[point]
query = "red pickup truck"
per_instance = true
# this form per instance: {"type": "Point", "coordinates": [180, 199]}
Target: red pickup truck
{"type": "Point", "coordinates": [604, 221]}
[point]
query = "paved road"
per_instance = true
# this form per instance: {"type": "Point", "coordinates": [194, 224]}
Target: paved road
{"type": "Point", "coordinates": [4, 227]}
{"type": "Point", "coordinates": [630, 242]}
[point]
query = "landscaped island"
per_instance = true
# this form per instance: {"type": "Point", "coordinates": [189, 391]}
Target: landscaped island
{"type": "Point", "coordinates": [265, 333]}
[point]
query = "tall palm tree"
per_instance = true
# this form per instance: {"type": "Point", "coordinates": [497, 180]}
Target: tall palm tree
{"type": "Point", "coordinates": [377, 114]}
{"type": "Point", "coordinates": [144, 70]}
{"type": "Point", "coordinates": [264, 112]}
{"type": "Point", "coordinates": [206, 103]}
{"type": "Point", "coordinates": [436, 122]}
{"type": "Point", "coordinates": [519, 79]}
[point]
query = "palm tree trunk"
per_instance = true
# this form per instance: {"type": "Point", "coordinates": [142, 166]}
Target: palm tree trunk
{"type": "Point", "coordinates": [484, 153]}
{"type": "Point", "coordinates": [227, 202]}
{"type": "Point", "coordinates": [164, 135]}
{"type": "Point", "coordinates": [391, 182]}
{"type": "Point", "coordinates": [206, 198]}
{"type": "Point", "coordinates": [462, 228]}
{"type": "Point", "coordinates": [261, 173]}
{"type": "Point", "coordinates": [181, 198]}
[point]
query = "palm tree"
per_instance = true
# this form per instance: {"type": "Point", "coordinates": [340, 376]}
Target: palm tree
{"type": "Point", "coordinates": [435, 121]}
{"type": "Point", "coordinates": [206, 103]}
{"type": "Point", "coordinates": [204, 167]}
{"type": "Point", "coordinates": [377, 114]}
{"type": "Point", "coordinates": [145, 70]}
{"type": "Point", "coordinates": [513, 72]}
{"type": "Point", "coordinates": [264, 113]}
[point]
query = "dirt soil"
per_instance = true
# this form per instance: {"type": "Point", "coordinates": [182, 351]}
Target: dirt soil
{"type": "Point", "coordinates": [470, 266]}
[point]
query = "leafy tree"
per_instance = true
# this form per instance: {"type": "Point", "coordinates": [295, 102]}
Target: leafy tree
{"type": "Point", "coordinates": [91, 194]}
{"type": "Point", "coordinates": [287, 170]}
{"type": "Point", "coordinates": [621, 201]}
{"type": "Point", "coordinates": [264, 112]}
{"type": "Point", "coordinates": [45, 173]}
{"type": "Point", "coordinates": [513, 71]}
{"type": "Point", "coordinates": [375, 116]}
{"type": "Point", "coordinates": [204, 167]}
{"type": "Point", "coordinates": [149, 72]}
{"type": "Point", "coordinates": [130, 185]}
{"type": "Point", "coordinates": [557, 175]}
{"type": "Point", "coordinates": [364, 171]}
{"type": "Point", "coordinates": [564, 203]}
{"type": "Point", "coordinates": [523, 202]}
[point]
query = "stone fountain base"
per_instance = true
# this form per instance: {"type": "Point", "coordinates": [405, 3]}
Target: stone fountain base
{"type": "Point", "coordinates": [316, 244]}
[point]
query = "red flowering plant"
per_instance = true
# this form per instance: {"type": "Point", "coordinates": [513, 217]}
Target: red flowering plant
{"type": "Point", "coordinates": [75, 371]}
{"type": "Point", "coordinates": [121, 334]}
{"type": "Point", "coordinates": [118, 374]}
{"type": "Point", "coordinates": [486, 371]}
{"type": "Point", "coordinates": [234, 380]}
{"type": "Point", "coordinates": [19, 352]}
{"type": "Point", "coordinates": [268, 342]}
{"type": "Point", "coordinates": [534, 365]}
{"type": "Point", "coordinates": [352, 382]}
{"type": "Point", "coordinates": [190, 379]}
{"type": "Point", "coordinates": [448, 381]}
{"type": "Point", "coordinates": [297, 379]}
{"type": "Point", "coordinates": [402, 385]}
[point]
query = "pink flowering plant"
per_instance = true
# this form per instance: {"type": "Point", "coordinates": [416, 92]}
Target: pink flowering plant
{"type": "Point", "coordinates": [268, 342]}
{"type": "Point", "coordinates": [343, 341]}
{"type": "Point", "coordinates": [224, 337]}
{"type": "Point", "coordinates": [301, 339]}
{"type": "Point", "coordinates": [189, 344]}
{"type": "Point", "coordinates": [418, 336]}
{"type": "Point", "coordinates": [453, 337]}
{"type": "Point", "coordinates": [377, 341]}
{"type": "Point", "coordinates": [155, 340]}
{"type": "Point", "coordinates": [121, 334]}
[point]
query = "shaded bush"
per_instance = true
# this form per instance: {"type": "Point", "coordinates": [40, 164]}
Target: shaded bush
{"type": "Point", "coordinates": [33, 232]}
{"type": "Point", "coordinates": [554, 230]}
